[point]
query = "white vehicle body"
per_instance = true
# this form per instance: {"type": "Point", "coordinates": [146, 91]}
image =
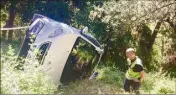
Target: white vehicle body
{"type": "Point", "coordinates": [58, 40]}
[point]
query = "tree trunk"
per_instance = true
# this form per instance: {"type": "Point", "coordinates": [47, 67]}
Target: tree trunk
{"type": "Point", "coordinates": [153, 36]}
{"type": "Point", "coordinates": [104, 56]}
{"type": "Point", "coordinates": [106, 49]}
{"type": "Point", "coordinates": [4, 32]}
{"type": "Point", "coordinates": [10, 21]}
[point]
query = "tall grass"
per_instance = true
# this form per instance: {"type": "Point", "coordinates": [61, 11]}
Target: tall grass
{"type": "Point", "coordinates": [158, 83]}
{"type": "Point", "coordinates": [110, 81]}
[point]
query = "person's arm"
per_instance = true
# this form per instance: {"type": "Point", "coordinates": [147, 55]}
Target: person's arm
{"type": "Point", "coordinates": [142, 76]}
{"type": "Point", "coordinates": [128, 64]}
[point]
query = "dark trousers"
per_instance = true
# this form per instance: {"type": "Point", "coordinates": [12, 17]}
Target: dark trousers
{"type": "Point", "coordinates": [128, 84]}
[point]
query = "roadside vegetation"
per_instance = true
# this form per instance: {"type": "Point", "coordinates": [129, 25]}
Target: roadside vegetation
{"type": "Point", "coordinates": [109, 81]}
{"type": "Point", "coordinates": [147, 26]}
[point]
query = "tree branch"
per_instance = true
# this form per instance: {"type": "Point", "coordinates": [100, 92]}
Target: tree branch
{"type": "Point", "coordinates": [171, 24]}
{"type": "Point", "coordinates": [156, 10]}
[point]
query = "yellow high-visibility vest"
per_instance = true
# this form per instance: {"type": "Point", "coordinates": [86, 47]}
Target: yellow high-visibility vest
{"type": "Point", "coordinates": [130, 74]}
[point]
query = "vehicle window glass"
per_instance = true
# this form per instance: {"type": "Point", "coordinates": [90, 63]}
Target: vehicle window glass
{"type": "Point", "coordinates": [43, 52]}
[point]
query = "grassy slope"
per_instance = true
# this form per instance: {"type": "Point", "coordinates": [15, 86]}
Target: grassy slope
{"type": "Point", "coordinates": [110, 80]}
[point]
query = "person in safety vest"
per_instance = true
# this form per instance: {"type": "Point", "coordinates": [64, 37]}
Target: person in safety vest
{"type": "Point", "coordinates": [135, 73]}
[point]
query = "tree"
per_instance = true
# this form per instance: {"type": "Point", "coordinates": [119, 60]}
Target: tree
{"type": "Point", "coordinates": [12, 13]}
{"type": "Point", "coordinates": [126, 17]}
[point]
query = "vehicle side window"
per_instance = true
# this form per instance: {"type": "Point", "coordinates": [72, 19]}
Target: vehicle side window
{"type": "Point", "coordinates": [43, 52]}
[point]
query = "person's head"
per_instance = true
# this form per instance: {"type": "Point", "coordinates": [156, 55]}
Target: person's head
{"type": "Point", "coordinates": [131, 53]}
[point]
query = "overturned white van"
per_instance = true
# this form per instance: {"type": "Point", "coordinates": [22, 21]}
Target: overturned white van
{"type": "Point", "coordinates": [68, 53]}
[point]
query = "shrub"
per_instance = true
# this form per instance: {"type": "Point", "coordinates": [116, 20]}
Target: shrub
{"type": "Point", "coordinates": [165, 90]}
{"type": "Point", "coordinates": [148, 83]}
{"type": "Point", "coordinates": [157, 83]}
{"type": "Point", "coordinates": [31, 80]}
{"type": "Point", "coordinates": [111, 75]}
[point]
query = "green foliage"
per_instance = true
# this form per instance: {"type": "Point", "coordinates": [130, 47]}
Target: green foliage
{"type": "Point", "coordinates": [110, 80]}
{"type": "Point", "coordinates": [31, 80]}
{"type": "Point", "coordinates": [91, 87]}
{"type": "Point", "coordinates": [124, 24]}
{"type": "Point", "coordinates": [117, 24]}
{"type": "Point", "coordinates": [148, 84]}
{"type": "Point", "coordinates": [111, 75]}
{"type": "Point", "coordinates": [157, 83]}
{"type": "Point", "coordinates": [4, 15]}
{"type": "Point", "coordinates": [5, 43]}
{"type": "Point", "coordinates": [57, 10]}
{"type": "Point", "coordinates": [165, 90]}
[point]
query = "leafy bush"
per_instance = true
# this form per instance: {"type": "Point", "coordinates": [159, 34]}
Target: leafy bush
{"type": "Point", "coordinates": [31, 80]}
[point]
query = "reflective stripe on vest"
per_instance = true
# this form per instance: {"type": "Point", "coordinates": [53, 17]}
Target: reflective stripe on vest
{"type": "Point", "coordinates": [130, 74]}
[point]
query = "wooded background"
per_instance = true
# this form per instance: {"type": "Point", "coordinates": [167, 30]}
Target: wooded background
{"type": "Point", "coordinates": [148, 26]}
